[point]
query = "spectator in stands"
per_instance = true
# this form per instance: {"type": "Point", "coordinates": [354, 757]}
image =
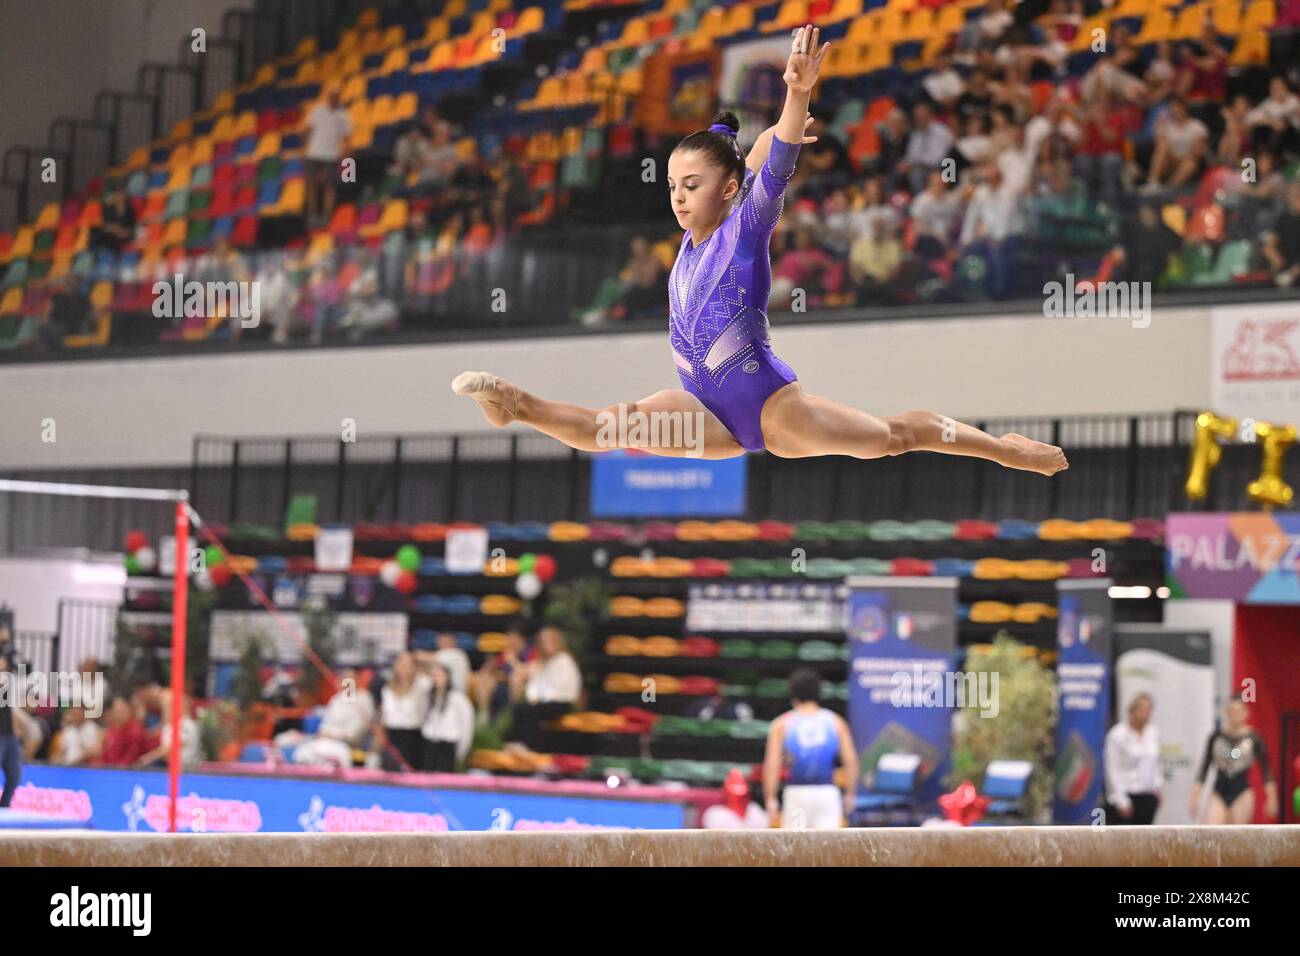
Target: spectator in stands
{"type": "Point", "coordinates": [927, 146]}
{"type": "Point", "coordinates": [1099, 162]}
{"type": "Point", "coordinates": [828, 166]}
{"type": "Point", "coordinates": [191, 749]}
{"type": "Point", "coordinates": [893, 136]}
{"type": "Point", "coordinates": [803, 268]}
{"type": "Point", "coordinates": [1202, 79]}
{"type": "Point", "coordinates": [976, 99]}
{"type": "Point", "coordinates": [874, 207]}
{"type": "Point", "coordinates": [1181, 144]}
{"type": "Point", "coordinates": [125, 740]}
{"type": "Point", "coordinates": [366, 310]}
{"type": "Point", "coordinates": [638, 288]}
{"type": "Point", "coordinates": [11, 753]}
{"type": "Point", "coordinates": [943, 85]}
{"type": "Point", "coordinates": [411, 156]}
{"type": "Point", "coordinates": [513, 190]}
{"type": "Point", "coordinates": [1274, 123]}
{"type": "Point", "coordinates": [118, 226]}
{"type": "Point", "coordinates": [78, 740]}
{"type": "Point", "coordinates": [280, 300]}
{"type": "Point", "coordinates": [320, 302]}
{"type": "Point", "coordinates": [69, 312]}
{"type": "Point", "coordinates": [936, 212]}
{"type": "Point", "coordinates": [1146, 247]}
{"type": "Point", "coordinates": [328, 129]}
{"type": "Point", "coordinates": [403, 705]}
{"type": "Point", "coordinates": [545, 687]}
{"type": "Point", "coordinates": [875, 264]}
{"type": "Point", "coordinates": [448, 728]}
{"type": "Point", "coordinates": [348, 716]}
{"type": "Point", "coordinates": [492, 686]}
{"type": "Point", "coordinates": [974, 146]}
{"type": "Point", "coordinates": [451, 656]}
{"type": "Point", "coordinates": [992, 228]}
{"type": "Point", "coordinates": [1281, 247]}
{"type": "Point", "coordinates": [1235, 142]}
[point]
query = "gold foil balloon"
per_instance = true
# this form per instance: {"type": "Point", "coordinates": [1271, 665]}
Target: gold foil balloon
{"type": "Point", "coordinates": [1270, 488]}
{"type": "Point", "coordinates": [1206, 451]}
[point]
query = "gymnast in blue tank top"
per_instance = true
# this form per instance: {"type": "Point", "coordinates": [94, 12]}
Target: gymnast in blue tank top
{"type": "Point", "coordinates": [812, 742]}
{"type": "Point", "coordinates": [736, 396]}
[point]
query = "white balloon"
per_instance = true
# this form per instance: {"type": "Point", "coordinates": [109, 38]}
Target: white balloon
{"type": "Point", "coordinates": [389, 572]}
{"type": "Point", "coordinates": [528, 585]}
{"type": "Point", "coordinates": [146, 559]}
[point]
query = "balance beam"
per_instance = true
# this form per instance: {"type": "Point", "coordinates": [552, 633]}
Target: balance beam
{"type": "Point", "coordinates": [1198, 846]}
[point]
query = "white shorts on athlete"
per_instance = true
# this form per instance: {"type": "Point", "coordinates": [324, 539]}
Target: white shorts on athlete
{"type": "Point", "coordinates": [812, 808]}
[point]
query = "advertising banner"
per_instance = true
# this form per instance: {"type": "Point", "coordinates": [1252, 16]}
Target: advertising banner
{"type": "Point", "coordinates": [628, 484]}
{"type": "Point", "coordinates": [1248, 557]}
{"type": "Point", "coordinates": [1083, 637]}
{"type": "Point", "coordinates": [902, 645]}
{"type": "Point", "coordinates": [136, 801]}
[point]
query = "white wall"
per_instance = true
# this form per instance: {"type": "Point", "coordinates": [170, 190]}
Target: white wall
{"type": "Point", "coordinates": [144, 412]}
{"type": "Point", "coordinates": [33, 586]}
{"type": "Point", "coordinates": [1220, 619]}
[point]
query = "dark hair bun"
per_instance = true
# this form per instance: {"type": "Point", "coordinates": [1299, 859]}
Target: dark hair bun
{"type": "Point", "coordinates": [728, 119]}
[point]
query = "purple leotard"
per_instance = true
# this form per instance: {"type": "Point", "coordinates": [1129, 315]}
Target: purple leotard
{"type": "Point", "coordinates": [717, 301]}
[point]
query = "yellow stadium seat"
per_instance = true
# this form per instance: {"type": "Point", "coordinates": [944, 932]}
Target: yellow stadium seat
{"type": "Point", "coordinates": [292, 197]}
{"type": "Point", "coordinates": [635, 32]}
{"type": "Point", "coordinates": [1260, 15]}
{"type": "Point", "coordinates": [268, 145]}
{"type": "Point", "coordinates": [322, 244]}
{"type": "Point", "coordinates": [435, 30]}
{"type": "Point", "coordinates": [443, 55]}
{"type": "Point", "coordinates": [393, 36]}
{"type": "Point", "coordinates": [201, 153]}
{"type": "Point", "coordinates": [952, 19]}
{"type": "Point", "coordinates": [891, 26]}
{"type": "Point", "coordinates": [23, 242]}
{"type": "Point", "coordinates": [12, 302]}
{"type": "Point", "coordinates": [1175, 217]}
{"type": "Point", "coordinates": [1190, 21]}
{"type": "Point", "coordinates": [1226, 17]}
{"type": "Point", "coordinates": [99, 337]}
{"type": "Point", "coordinates": [48, 218]}
{"type": "Point", "coordinates": [712, 24]}
{"type": "Point", "coordinates": [394, 61]}
{"type": "Point", "coordinates": [844, 10]}
{"type": "Point", "coordinates": [101, 296]}
{"type": "Point", "coordinates": [174, 234]}
{"type": "Point", "coordinates": [1157, 27]}
{"type": "Point", "coordinates": [919, 24]}
{"type": "Point", "coordinates": [530, 21]}
{"type": "Point", "coordinates": [454, 9]}
{"type": "Point", "coordinates": [740, 19]}
{"type": "Point", "coordinates": [792, 13]}
{"type": "Point", "coordinates": [1251, 49]}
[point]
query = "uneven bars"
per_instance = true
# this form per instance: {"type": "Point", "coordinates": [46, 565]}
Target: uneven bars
{"type": "Point", "coordinates": [180, 594]}
{"type": "Point", "coordinates": [93, 491]}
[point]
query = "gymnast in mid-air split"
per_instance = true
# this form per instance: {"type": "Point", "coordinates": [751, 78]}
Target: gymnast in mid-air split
{"type": "Point", "coordinates": [747, 398]}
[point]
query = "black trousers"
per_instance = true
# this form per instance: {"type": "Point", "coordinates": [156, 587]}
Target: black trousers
{"type": "Point", "coordinates": [409, 744]}
{"type": "Point", "coordinates": [1144, 811]}
{"type": "Point", "coordinates": [439, 756]}
{"type": "Point", "coordinates": [11, 762]}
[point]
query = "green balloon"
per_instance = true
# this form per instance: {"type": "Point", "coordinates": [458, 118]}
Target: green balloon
{"type": "Point", "coordinates": [408, 557]}
{"type": "Point", "coordinates": [212, 556]}
{"type": "Point", "coordinates": [132, 565]}
{"type": "Point", "coordinates": [526, 562]}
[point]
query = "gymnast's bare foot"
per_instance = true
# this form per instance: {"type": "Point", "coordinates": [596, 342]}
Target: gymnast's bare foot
{"type": "Point", "coordinates": [498, 398]}
{"type": "Point", "coordinates": [1030, 455]}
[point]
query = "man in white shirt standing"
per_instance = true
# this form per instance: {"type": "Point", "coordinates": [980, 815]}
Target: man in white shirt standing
{"type": "Point", "coordinates": [1133, 780]}
{"type": "Point", "coordinates": [328, 128]}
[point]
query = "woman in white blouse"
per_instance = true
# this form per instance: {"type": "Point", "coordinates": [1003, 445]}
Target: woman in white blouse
{"type": "Point", "coordinates": [403, 704]}
{"type": "Point", "coordinates": [549, 685]}
{"type": "Point", "coordinates": [448, 725]}
{"type": "Point", "coordinates": [1133, 779]}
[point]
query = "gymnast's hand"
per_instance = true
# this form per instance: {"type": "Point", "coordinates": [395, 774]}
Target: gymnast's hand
{"type": "Point", "coordinates": [805, 59]}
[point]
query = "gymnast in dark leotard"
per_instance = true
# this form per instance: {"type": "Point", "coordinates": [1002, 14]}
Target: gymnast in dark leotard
{"type": "Point", "coordinates": [735, 394]}
{"type": "Point", "coordinates": [1233, 749]}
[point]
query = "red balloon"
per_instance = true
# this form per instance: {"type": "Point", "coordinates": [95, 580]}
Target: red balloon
{"type": "Point", "coordinates": [220, 575]}
{"type": "Point", "coordinates": [407, 582]}
{"type": "Point", "coordinates": [135, 540]}
{"type": "Point", "coordinates": [544, 567]}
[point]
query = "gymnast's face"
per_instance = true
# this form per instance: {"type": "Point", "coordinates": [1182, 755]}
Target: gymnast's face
{"type": "Point", "coordinates": [700, 192]}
